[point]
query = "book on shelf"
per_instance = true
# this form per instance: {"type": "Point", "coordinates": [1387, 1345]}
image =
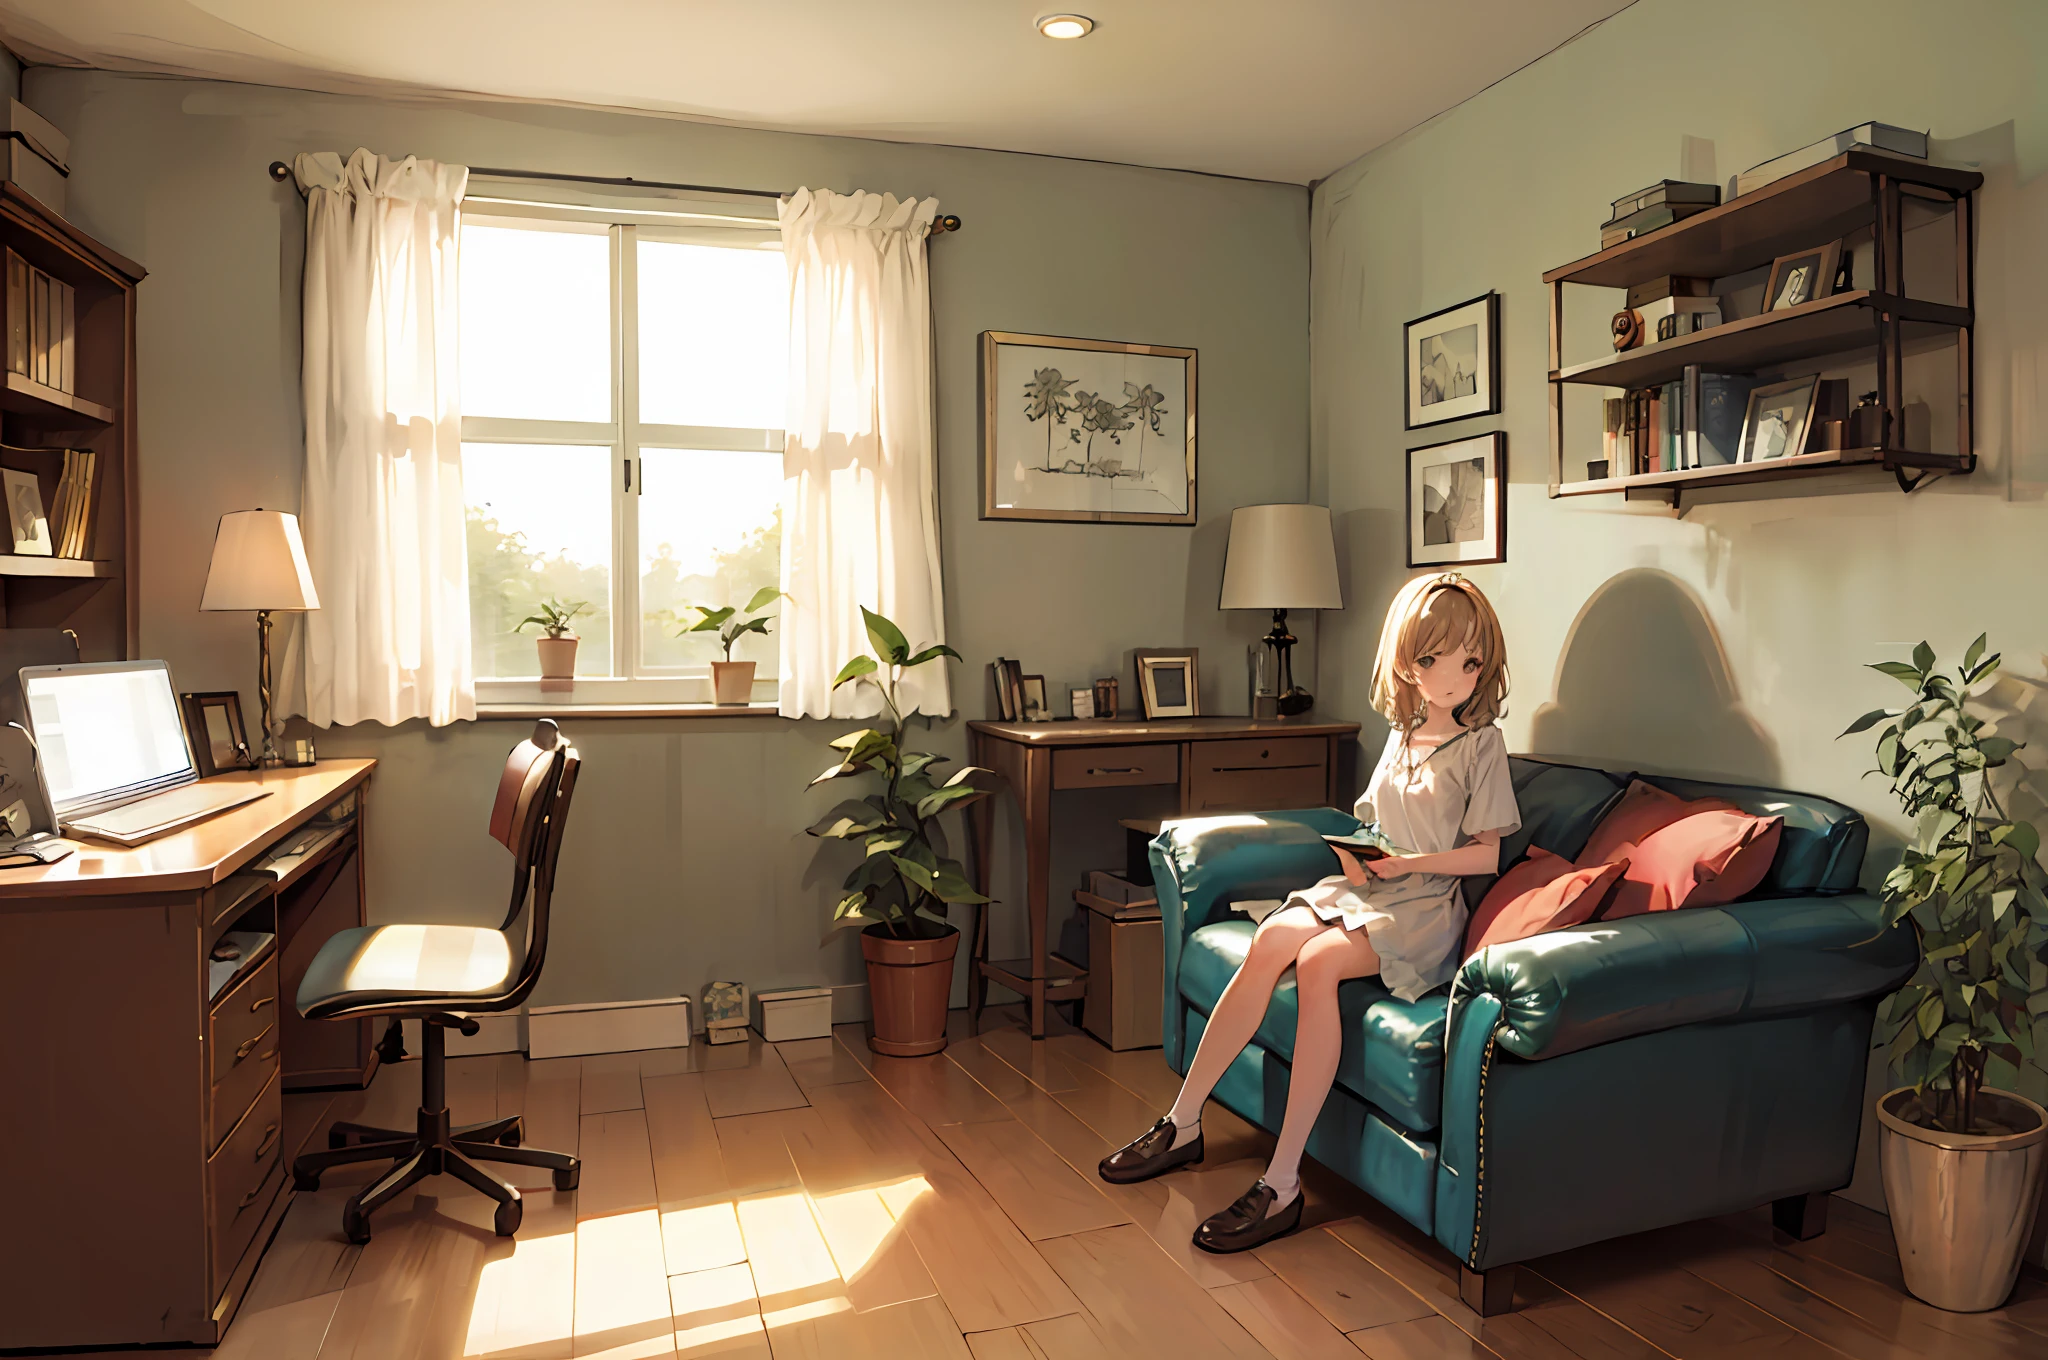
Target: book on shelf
{"type": "Point", "coordinates": [1688, 314]}
{"type": "Point", "coordinates": [1667, 191]}
{"type": "Point", "coordinates": [1664, 286]}
{"type": "Point", "coordinates": [1863, 137]}
{"type": "Point", "coordinates": [1614, 419]}
{"type": "Point", "coordinates": [71, 508]}
{"type": "Point", "coordinates": [1648, 220]}
{"type": "Point", "coordinates": [42, 326]}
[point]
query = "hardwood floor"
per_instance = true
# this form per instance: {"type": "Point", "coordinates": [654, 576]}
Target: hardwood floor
{"type": "Point", "coordinates": [812, 1199]}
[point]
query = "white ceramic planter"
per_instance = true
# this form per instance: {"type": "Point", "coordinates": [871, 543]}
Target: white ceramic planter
{"type": "Point", "coordinates": [732, 682]}
{"type": "Point", "coordinates": [1962, 1204]}
{"type": "Point", "coordinates": [557, 662]}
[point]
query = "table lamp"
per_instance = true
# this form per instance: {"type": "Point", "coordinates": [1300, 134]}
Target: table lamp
{"type": "Point", "coordinates": [259, 563]}
{"type": "Point", "coordinates": [1282, 557]}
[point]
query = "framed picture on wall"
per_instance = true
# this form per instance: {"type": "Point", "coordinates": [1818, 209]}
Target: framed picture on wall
{"type": "Point", "coordinates": [1452, 358]}
{"type": "Point", "coordinates": [1457, 502]}
{"type": "Point", "coordinates": [1091, 430]}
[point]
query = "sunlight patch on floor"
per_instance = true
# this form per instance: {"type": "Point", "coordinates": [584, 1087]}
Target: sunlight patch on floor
{"type": "Point", "coordinates": [525, 1298]}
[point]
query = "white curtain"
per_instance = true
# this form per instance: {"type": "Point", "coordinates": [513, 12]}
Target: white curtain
{"type": "Point", "coordinates": [859, 492]}
{"type": "Point", "coordinates": [382, 506]}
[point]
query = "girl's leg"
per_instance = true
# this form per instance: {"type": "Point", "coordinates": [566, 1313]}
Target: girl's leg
{"type": "Point", "coordinates": [1325, 961]}
{"type": "Point", "coordinates": [1280, 937]}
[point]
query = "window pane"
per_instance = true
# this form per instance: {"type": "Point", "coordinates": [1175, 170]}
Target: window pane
{"type": "Point", "coordinates": [536, 324]}
{"type": "Point", "coordinates": [540, 527]}
{"type": "Point", "coordinates": [710, 534]}
{"type": "Point", "coordinates": [714, 335]}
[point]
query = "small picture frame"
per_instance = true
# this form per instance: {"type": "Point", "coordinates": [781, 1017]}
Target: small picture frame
{"type": "Point", "coordinates": [219, 737]}
{"type": "Point", "coordinates": [1452, 361]}
{"type": "Point", "coordinates": [1106, 704]}
{"type": "Point", "coordinates": [1169, 682]}
{"type": "Point", "coordinates": [1082, 701]}
{"type": "Point", "coordinates": [1036, 709]}
{"type": "Point", "coordinates": [1777, 420]}
{"type": "Point", "coordinates": [1457, 502]}
{"type": "Point", "coordinates": [28, 525]}
{"type": "Point", "coordinates": [1801, 277]}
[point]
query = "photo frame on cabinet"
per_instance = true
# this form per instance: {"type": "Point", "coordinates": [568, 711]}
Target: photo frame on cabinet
{"type": "Point", "coordinates": [220, 739]}
{"type": "Point", "coordinates": [1169, 682]}
{"type": "Point", "coordinates": [1457, 502]}
{"type": "Point", "coordinates": [1096, 431]}
{"type": "Point", "coordinates": [1451, 360]}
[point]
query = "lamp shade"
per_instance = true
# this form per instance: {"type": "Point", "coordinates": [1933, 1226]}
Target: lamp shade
{"type": "Point", "coordinates": [259, 562]}
{"type": "Point", "coordinates": [1281, 557]}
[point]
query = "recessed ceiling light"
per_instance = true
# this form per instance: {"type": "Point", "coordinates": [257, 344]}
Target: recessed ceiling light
{"type": "Point", "coordinates": [1066, 25]}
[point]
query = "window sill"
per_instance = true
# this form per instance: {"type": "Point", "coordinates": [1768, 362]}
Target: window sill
{"type": "Point", "coordinates": [528, 711]}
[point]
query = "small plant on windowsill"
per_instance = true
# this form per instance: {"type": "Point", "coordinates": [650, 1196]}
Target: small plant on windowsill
{"type": "Point", "coordinates": [900, 891]}
{"type": "Point", "coordinates": [557, 645]}
{"type": "Point", "coordinates": [732, 682]}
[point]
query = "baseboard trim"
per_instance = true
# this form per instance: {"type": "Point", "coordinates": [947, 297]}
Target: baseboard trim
{"type": "Point", "coordinates": [607, 1027]}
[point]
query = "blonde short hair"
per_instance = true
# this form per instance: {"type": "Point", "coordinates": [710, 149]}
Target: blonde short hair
{"type": "Point", "coordinates": [1430, 614]}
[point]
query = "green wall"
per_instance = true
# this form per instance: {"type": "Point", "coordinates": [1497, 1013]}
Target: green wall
{"type": "Point", "coordinates": [686, 860]}
{"type": "Point", "coordinates": [1727, 642]}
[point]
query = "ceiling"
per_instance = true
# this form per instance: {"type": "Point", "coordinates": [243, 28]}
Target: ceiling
{"type": "Point", "coordinates": [1284, 90]}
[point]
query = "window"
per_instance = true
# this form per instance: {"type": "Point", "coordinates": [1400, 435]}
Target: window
{"type": "Point", "coordinates": [622, 389]}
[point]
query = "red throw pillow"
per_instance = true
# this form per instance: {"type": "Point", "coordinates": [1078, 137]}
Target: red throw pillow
{"type": "Point", "coordinates": [1643, 810]}
{"type": "Point", "coordinates": [1706, 860]}
{"type": "Point", "coordinates": [1544, 892]}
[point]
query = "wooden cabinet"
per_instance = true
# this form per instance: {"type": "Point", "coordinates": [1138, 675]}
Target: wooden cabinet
{"type": "Point", "coordinates": [1095, 767]}
{"type": "Point", "coordinates": [1249, 776]}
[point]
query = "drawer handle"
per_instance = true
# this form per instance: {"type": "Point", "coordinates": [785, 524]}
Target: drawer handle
{"type": "Point", "coordinates": [248, 1046]}
{"type": "Point", "coordinates": [269, 1140]}
{"type": "Point", "coordinates": [1116, 769]}
{"type": "Point", "coordinates": [260, 1002]}
{"type": "Point", "coordinates": [250, 1198]}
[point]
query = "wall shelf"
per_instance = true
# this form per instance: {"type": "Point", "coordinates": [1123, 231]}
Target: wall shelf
{"type": "Point", "coordinates": [59, 568]}
{"type": "Point", "coordinates": [26, 396]}
{"type": "Point", "coordinates": [1854, 192]}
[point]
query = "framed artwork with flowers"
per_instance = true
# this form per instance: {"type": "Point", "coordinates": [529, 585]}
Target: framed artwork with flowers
{"type": "Point", "coordinates": [1091, 430]}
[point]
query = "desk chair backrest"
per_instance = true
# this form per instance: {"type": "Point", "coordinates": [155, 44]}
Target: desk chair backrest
{"type": "Point", "coordinates": [527, 818]}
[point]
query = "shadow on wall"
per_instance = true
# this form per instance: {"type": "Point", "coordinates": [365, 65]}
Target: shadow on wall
{"type": "Point", "coordinates": [1643, 683]}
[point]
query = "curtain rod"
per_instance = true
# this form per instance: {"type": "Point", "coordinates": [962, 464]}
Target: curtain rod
{"type": "Point", "coordinates": [945, 222]}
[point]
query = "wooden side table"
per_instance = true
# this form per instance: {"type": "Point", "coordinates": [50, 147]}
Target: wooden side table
{"type": "Point", "coordinates": [1218, 764]}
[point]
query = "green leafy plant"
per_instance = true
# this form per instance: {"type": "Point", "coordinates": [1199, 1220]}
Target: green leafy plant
{"type": "Point", "coordinates": [1971, 888]}
{"type": "Point", "coordinates": [554, 616]}
{"type": "Point", "coordinates": [731, 629]}
{"type": "Point", "coordinates": [904, 881]}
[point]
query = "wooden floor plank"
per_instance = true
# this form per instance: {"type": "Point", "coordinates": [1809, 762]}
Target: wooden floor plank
{"type": "Point", "coordinates": [937, 1091]}
{"type": "Point", "coordinates": [1282, 1321]}
{"type": "Point", "coordinates": [1430, 1338]}
{"type": "Point", "coordinates": [1073, 1337]}
{"type": "Point", "coordinates": [1047, 1070]}
{"type": "Point", "coordinates": [618, 1165]}
{"type": "Point", "coordinates": [291, 1302]}
{"type": "Point", "coordinates": [1042, 1195]}
{"type": "Point", "coordinates": [525, 1306]}
{"type": "Point", "coordinates": [611, 1081]}
{"type": "Point", "coordinates": [1345, 1288]}
{"type": "Point", "coordinates": [699, 1229]}
{"type": "Point", "coordinates": [819, 1062]}
{"type": "Point", "coordinates": [473, 1088]}
{"type": "Point", "coordinates": [716, 1314]}
{"type": "Point", "coordinates": [919, 1330]}
{"type": "Point", "coordinates": [1142, 1302]}
{"type": "Point", "coordinates": [765, 1085]}
{"type": "Point", "coordinates": [844, 1176]}
{"type": "Point", "coordinates": [549, 1102]}
{"type": "Point", "coordinates": [794, 1274]}
{"type": "Point", "coordinates": [1170, 1208]}
{"type": "Point", "coordinates": [410, 1294]}
{"type": "Point", "coordinates": [623, 1310]}
{"type": "Point", "coordinates": [753, 1156]}
{"type": "Point", "coordinates": [1009, 1343]}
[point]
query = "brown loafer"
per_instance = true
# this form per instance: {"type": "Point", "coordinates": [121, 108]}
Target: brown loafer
{"type": "Point", "coordinates": [1251, 1222]}
{"type": "Point", "coordinates": [1150, 1154]}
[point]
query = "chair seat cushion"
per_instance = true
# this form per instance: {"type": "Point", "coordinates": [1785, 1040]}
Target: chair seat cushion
{"type": "Point", "coordinates": [1393, 1055]}
{"type": "Point", "coordinates": [402, 964]}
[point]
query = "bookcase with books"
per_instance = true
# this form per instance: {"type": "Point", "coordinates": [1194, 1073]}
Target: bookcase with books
{"type": "Point", "coordinates": [1745, 328]}
{"type": "Point", "coordinates": [67, 431]}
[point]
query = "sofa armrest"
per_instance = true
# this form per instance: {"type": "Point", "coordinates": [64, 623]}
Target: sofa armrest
{"type": "Point", "coordinates": [1200, 865]}
{"type": "Point", "coordinates": [1591, 984]}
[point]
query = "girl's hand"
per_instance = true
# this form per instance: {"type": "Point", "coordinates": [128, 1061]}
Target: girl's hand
{"type": "Point", "coordinates": [1354, 872]}
{"type": "Point", "coordinates": [1393, 866]}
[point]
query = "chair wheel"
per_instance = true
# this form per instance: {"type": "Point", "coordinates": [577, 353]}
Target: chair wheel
{"type": "Point", "coordinates": [355, 1224]}
{"type": "Point", "coordinates": [507, 1218]}
{"type": "Point", "coordinates": [566, 1180]}
{"type": "Point", "coordinates": [305, 1180]}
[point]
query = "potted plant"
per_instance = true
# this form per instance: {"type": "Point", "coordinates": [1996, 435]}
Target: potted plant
{"type": "Point", "coordinates": [557, 646]}
{"type": "Point", "coordinates": [899, 892]}
{"type": "Point", "coordinates": [1962, 1158]}
{"type": "Point", "coordinates": [732, 682]}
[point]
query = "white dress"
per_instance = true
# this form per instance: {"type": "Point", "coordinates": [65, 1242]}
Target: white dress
{"type": "Point", "coordinates": [1427, 802]}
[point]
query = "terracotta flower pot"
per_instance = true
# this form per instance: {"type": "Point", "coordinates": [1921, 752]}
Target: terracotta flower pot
{"type": "Point", "coordinates": [1961, 1204]}
{"type": "Point", "coordinates": [732, 682]}
{"type": "Point", "coordinates": [557, 661]}
{"type": "Point", "coordinates": [909, 983]}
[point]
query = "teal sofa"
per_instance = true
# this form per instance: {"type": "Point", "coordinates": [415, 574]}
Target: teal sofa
{"type": "Point", "coordinates": [1580, 1085]}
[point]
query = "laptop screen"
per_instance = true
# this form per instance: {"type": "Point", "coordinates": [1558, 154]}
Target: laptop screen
{"type": "Point", "coordinates": [107, 733]}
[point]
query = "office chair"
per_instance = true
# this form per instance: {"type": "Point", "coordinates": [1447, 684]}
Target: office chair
{"type": "Point", "coordinates": [440, 975]}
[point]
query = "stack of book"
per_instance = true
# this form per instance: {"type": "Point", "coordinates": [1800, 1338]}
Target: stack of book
{"type": "Point", "coordinates": [1691, 423]}
{"type": "Point", "coordinates": [42, 326]}
{"type": "Point", "coordinates": [1863, 137]}
{"type": "Point", "coordinates": [71, 512]}
{"type": "Point", "coordinates": [1645, 210]}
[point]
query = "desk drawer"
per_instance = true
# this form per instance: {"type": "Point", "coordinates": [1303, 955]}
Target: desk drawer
{"type": "Point", "coordinates": [1256, 775]}
{"type": "Point", "coordinates": [234, 1093]}
{"type": "Point", "coordinates": [236, 1029]}
{"type": "Point", "coordinates": [1101, 767]}
{"type": "Point", "coordinates": [242, 1177]}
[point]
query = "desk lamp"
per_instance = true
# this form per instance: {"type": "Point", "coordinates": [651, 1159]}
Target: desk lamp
{"type": "Point", "coordinates": [1282, 557]}
{"type": "Point", "coordinates": [259, 563]}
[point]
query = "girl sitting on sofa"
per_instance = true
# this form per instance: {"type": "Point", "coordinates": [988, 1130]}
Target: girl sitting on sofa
{"type": "Point", "coordinates": [1441, 791]}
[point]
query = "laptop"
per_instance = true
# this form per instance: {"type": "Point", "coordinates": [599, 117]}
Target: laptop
{"type": "Point", "coordinates": [113, 758]}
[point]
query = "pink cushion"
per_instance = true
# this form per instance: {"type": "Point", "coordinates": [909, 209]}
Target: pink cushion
{"type": "Point", "coordinates": [1708, 859]}
{"type": "Point", "coordinates": [1544, 892]}
{"type": "Point", "coordinates": [1643, 810]}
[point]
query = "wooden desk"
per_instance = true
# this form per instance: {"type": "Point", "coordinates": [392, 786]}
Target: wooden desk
{"type": "Point", "coordinates": [1219, 765]}
{"type": "Point", "coordinates": [141, 1125]}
